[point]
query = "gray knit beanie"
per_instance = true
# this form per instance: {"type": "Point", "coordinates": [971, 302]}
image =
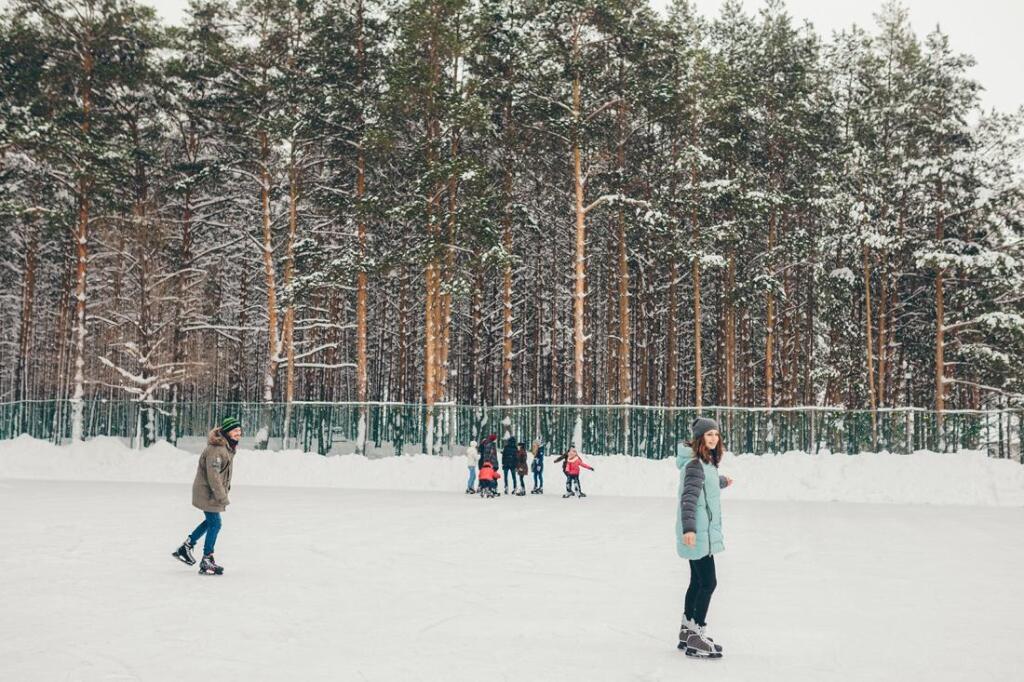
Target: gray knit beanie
{"type": "Point", "coordinates": [702, 425]}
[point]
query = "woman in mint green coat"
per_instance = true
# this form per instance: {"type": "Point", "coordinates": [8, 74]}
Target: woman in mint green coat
{"type": "Point", "coordinates": [699, 530]}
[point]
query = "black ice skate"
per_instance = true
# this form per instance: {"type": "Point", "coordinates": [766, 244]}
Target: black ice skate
{"type": "Point", "coordinates": [581, 494]}
{"type": "Point", "coordinates": [184, 553]}
{"type": "Point", "coordinates": [568, 494]}
{"type": "Point", "coordinates": [209, 567]}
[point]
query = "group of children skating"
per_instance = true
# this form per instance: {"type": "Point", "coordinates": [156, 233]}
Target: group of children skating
{"type": "Point", "coordinates": [482, 464]}
{"type": "Point", "coordinates": [698, 528]}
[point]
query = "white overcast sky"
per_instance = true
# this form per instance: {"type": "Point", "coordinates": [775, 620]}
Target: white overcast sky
{"type": "Point", "coordinates": [990, 30]}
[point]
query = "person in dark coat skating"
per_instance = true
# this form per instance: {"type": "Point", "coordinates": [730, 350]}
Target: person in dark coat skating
{"type": "Point", "coordinates": [537, 466]}
{"type": "Point", "coordinates": [509, 461]}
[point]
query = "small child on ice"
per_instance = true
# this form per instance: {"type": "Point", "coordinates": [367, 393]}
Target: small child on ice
{"type": "Point", "coordinates": [488, 480]}
{"type": "Point", "coordinates": [537, 466]}
{"type": "Point", "coordinates": [571, 466]}
{"type": "Point", "coordinates": [699, 531]}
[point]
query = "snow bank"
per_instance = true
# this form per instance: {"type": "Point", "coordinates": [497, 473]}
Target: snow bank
{"type": "Point", "coordinates": [964, 478]}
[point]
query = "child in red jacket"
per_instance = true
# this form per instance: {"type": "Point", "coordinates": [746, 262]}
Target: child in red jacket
{"type": "Point", "coordinates": [488, 478]}
{"type": "Point", "coordinates": [572, 464]}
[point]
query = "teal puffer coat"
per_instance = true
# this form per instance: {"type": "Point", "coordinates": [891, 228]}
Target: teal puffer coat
{"type": "Point", "coordinates": [699, 507]}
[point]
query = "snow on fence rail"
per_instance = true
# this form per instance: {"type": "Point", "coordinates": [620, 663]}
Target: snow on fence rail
{"type": "Point", "coordinates": [643, 431]}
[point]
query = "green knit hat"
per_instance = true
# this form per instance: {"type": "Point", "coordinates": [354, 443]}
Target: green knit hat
{"type": "Point", "coordinates": [229, 423]}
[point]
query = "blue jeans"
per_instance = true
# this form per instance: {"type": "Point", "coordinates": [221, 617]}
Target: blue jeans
{"type": "Point", "coordinates": [210, 526]}
{"type": "Point", "coordinates": [538, 479]}
{"type": "Point", "coordinates": [472, 478]}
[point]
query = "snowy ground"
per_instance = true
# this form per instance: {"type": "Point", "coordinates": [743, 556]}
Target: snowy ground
{"type": "Point", "coordinates": [348, 584]}
{"type": "Point", "coordinates": [963, 478]}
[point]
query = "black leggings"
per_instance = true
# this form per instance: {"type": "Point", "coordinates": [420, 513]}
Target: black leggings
{"type": "Point", "coordinates": [572, 480]}
{"type": "Point", "coordinates": [702, 584]}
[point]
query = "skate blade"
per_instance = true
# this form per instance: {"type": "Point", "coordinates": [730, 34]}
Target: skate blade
{"type": "Point", "coordinates": [694, 653]}
{"type": "Point", "coordinates": [183, 560]}
{"type": "Point", "coordinates": [682, 647]}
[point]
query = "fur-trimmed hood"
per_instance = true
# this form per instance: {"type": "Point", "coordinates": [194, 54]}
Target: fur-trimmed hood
{"type": "Point", "coordinates": [217, 438]}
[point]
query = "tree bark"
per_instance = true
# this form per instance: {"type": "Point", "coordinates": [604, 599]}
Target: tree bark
{"type": "Point", "coordinates": [273, 337]}
{"type": "Point", "coordinates": [580, 273]}
{"type": "Point", "coordinates": [28, 287]}
{"type": "Point", "coordinates": [940, 331]}
{"type": "Point", "coordinates": [769, 345]}
{"type": "Point", "coordinates": [81, 236]}
{"type": "Point", "coordinates": [361, 279]}
{"type": "Point", "coordinates": [870, 347]}
{"type": "Point", "coordinates": [289, 277]}
{"type": "Point", "coordinates": [624, 351]}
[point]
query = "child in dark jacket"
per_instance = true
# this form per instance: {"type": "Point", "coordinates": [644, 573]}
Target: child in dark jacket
{"type": "Point", "coordinates": [538, 468]}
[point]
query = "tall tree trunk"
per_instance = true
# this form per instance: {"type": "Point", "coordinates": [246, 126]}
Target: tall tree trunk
{"type": "Point", "coordinates": [142, 230]}
{"type": "Point", "coordinates": [870, 348]}
{"type": "Point", "coordinates": [506, 295]}
{"type": "Point", "coordinates": [769, 345]}
{"type": "Point", "coordinates": [671, 343]}
{"type": "Point", "coordinates": [671, 352]}
{"type": "Point", "coordinates": [625, 393]}
{"type": "Point", "coordinates": [883, 300]}
{"type": "Point", "coordinates": [63, 339]}
{"type": "Point", "coordinates": [289, 311]}
{"type": "Point", "coordinates": [28, 288]}
{"type": "Point", "coordinates": [361, 279]}
{"type": "Point", "coordinates": [940, 331]}
{"type": "Point", "coordinates": [611, 336]}
{"type": "Point", "coordinates": [81, 237]}
{"type": "Point", "coordinates": [730, 331]}
{"type": "Point", "coordinates": [580, 273]}
{"type": "Point", "coordinates": [180, 310]}
{"type": "Point", "coordinates": [642, 331]}
{"type": "Point", "coordinates": [808, 395]}
{"type": "Point", "coordinates": [403, 339]}
{"type": "Point", "coordinates": [432, 301]}
{"type": "Point", "coordinates": [787, 364]}
{"type": "Point", "coordinates": [555, 339]}
{"type": "Point", "coordinates": [238, 392]}
{"type": "Point", "coordinates": [273, 337]}
{"type": "Point", "coordinates": [698, 356]}
{"type": "Point", "coordinates": [476, 331]}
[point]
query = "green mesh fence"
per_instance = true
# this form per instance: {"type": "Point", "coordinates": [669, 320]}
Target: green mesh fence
{"type": "Point", "coordinates": [334, 428]}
